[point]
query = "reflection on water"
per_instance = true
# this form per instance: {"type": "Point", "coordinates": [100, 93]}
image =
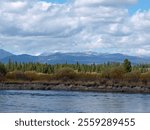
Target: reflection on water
{"type": "Point", "coordinates": [65, 101]}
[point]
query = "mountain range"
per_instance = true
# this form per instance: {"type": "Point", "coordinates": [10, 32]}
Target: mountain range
{"type": "Point", "coordinates": [71, 58]}
{"type": "Point", "coordinates": [4, 54]}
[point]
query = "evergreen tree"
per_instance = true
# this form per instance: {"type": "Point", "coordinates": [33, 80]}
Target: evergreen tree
{"type": "Point", "coordinates": [3, 70]}
{"type": "Point", "coordinates": [127, 65]}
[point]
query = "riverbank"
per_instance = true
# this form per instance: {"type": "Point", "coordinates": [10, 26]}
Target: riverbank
{"type": "Point", "coordinates": [73, 86]}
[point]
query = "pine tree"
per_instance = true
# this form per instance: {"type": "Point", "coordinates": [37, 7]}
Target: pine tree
{"type": "Point", "coordinates": [3, 70]}
{"type": "Point", "coordinates": [127, 65]}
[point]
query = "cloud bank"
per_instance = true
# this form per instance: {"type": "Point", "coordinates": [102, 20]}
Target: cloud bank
{"type": "Point", "coordinates": [34, 26]}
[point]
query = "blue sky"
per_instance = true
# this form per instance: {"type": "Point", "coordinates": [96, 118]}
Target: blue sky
{"type": "Point", "coordinates": [103, 26]}
{"type": "Point", "coordinates": [141, 4]}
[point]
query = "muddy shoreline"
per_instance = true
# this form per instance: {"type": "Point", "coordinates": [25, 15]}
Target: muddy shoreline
{"type": "Point", "coordinates": [69, 86]}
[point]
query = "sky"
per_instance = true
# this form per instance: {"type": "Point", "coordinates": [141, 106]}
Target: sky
{"type": "Point", "coordinates": [140, 5]}
{"type": "Point", "coordinates": [103, 26]}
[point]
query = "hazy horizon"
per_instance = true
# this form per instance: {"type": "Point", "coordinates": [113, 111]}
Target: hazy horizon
{"type": "Point", "coordinates": [75, 52]}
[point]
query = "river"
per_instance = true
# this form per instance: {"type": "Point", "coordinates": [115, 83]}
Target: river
{"type": "Point", "coordinates": [72, 102]}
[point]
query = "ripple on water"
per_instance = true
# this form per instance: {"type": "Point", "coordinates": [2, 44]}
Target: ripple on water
{"type": "Point", "coordinates": [67, 101]}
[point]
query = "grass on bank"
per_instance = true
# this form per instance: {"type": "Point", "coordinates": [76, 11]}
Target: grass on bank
{"type": "Point", "coordinates": [113, 77]}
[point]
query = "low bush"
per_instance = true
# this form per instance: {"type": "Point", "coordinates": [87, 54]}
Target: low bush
{"type": "Point", "coordinates": [145, 77]}
{"type": "Point", "coordinates": [65, 74]}
{"type": "Point", "coordinates": [31, 75]}
{"type": "Point", "coordinates": [16, 75]}
{"type": "Point", "coordinates": [88, 76]}
{"type": "Point", "coordinates": [28, 76]}
{"type": "Point", "coordinates": [105, 74]}
{"type": "Point", "coordinates": [44, 77]}
{"type": "Point", "coordinates": [133, 76]}
{"type": "Point", "coordinates": [117, 73]}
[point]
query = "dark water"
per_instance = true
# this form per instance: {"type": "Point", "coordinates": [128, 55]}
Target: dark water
{"type": "Point", "coordinates": [63, 101]}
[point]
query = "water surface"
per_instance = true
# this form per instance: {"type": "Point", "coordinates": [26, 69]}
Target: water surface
{"type": "Point", "coordinates": [66, 101]}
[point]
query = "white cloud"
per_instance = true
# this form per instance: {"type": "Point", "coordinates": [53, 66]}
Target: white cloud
{"type": "Point", "coordinates": [141, 21]}
{"type": "Point", "coordinates": [34, 26]}
{"type": "Point", "coordinates": [104, 2]}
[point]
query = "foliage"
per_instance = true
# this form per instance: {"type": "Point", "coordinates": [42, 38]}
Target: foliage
{"type": "Point", "coordinates": [117, 73]}
{"type": "Point", "coordinates": [3, 70]}
{"type": "Point", "coordinates": [16, 75]}
{"type": "Point", "coordinates": [133, 76]}
{"type": "Point", "coordinates": [66, 74]}
{"type": "Point", "coordinates": [127, 65]}
{"type": "Point", "coordinates": [145, 77]}
{"type": "Point", "coordinates": [104, 73]}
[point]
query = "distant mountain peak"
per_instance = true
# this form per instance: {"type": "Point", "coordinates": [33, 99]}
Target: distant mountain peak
{"type": "Point", "coordinates": [87, 57]}
{"type": "Point", "coordinates": [4, 54]}
{"type": "Point", "coordinates": [70, 53]}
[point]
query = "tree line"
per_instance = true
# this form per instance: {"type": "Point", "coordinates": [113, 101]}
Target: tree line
{"type": "Point", "coordinates": [86, 68]}
{"type": "Point", "coordinates": [108, 71]}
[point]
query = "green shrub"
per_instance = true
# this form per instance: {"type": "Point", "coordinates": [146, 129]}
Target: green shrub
{"type": "Point", "coordinates": [88, 76]}
{"type": "Point", "coordinates": [127, 65]}
{"type": "Point", "coordinates": [31, 75]}
{"type": "Point", "coordinates": [145, 77]}
{"type": "Point", "coordinates": [65, 74]}
{"type": "Point", "coordinates": [28, 76]}
{"type": "Point", "coordinates": [3, 70]}
{"type": "Point", "coordinates": [133, 76]}
{"type": "Point", "coordinates": [117, 73]}
{"type": "Point", "coordinates": [105, 74]}
{"type": "Point", "coordinates": [44, 77]}
{"type": "Point", "coordinates": [16, 75]}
